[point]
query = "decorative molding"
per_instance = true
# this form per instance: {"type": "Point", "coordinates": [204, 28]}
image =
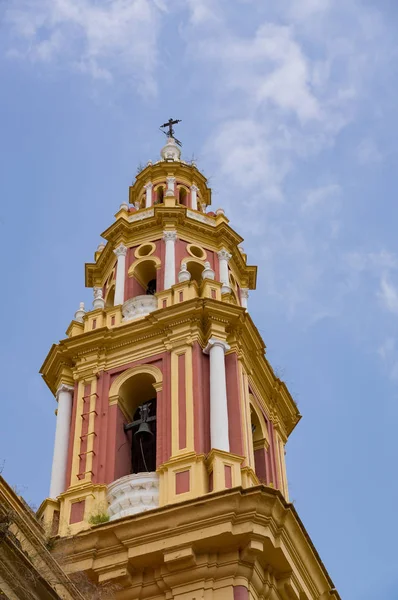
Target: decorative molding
{"type": "Point", "coordinates": [170, 236]}
{"type": "Point", "coordinates": [133, 494]}
{"type": "Point", "coordinates": [120, 250]}
{"type": "Point", "coordinates": [244, 293]}
{"type": "Point", "coordinates": [148, 186]}
{"type": "Point", "coordinates": [142, 214]}
{"type": "Point", "coordinates": [197, 216]}
{"type": "Point", "coordinates": [224, 255]}
{"type": "Point", "coordinates": [128, 373]}
{"type": "Point", "coordinates": [64, 388]}
{"type": "Point", "coordinates": [216, 342]}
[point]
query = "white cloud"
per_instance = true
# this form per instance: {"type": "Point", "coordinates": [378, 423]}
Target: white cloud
{"type": "Point", "coordinates": [387, 351]}
{"type": "Point", "coordinates": [318, 197]}
{"type": "Point", "coordinates": [388, 294]}
{"type": "Point", "coordinates": [102, 39]}
{"type": "Point", "coordinates": [368, 153]}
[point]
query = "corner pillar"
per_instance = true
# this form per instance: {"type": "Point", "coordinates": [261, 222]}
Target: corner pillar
{"type": "Point", "coordinates": [194, 197]}
{"type": "Point", "coordinates": [219, 437]}
{"type": "Point", "coordinates": [60, 458]}
{"type": "Point", "coordinates": [148, 198]}
{"type": "Point", "coordinates": [244, 296]}
{"type": "Point", "coordinates": [170, 238]}
{"type": "Point", "coordinates": [120, 252]}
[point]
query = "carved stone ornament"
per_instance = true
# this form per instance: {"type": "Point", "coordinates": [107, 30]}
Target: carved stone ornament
{"type": "Point", "coordinates": [171, 150]}
{"type": "Point", "coordinates": [99, 302]}
{"type": "Point", "coordinates": [216, 342]}
{"type": "Point", "coordinates": [184, 274]}
{"type": "Point", "coordinates": [120, 250]}
{"type": "Point", "coordinates": [170, 236]}
{"type": "Point", "coordinates": [201, 217]}
{"type": "Point", "coordinates": [133, 494]}
{"type": "Point", "coordinates": [148, 186]}
{"type": "Point", "coordinates": [208, 272]}
{"type": "Point", "coordinates": [244, 293]}
{"type": "Point", "coordinates": [79, 314]}
{"type": "Point", "coordinates": [140, 306]}
{"type": "Point", "coordinates": [64, 388]}
{"type": "Point", "coordinates": [224, 255]}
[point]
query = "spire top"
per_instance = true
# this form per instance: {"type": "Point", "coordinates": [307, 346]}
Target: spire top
{"type": "Point", "coordinates": [169, 124]}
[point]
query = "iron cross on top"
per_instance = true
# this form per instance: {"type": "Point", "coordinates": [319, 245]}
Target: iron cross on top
{"type": "Point", "coordinates": [170, 124]}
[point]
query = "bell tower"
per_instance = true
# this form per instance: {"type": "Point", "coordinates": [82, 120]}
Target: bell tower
{"type": "Point", "coordinates": [168, 475]}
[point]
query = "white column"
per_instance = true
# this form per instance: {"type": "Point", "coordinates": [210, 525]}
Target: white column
{"type": "Point", "coordinates": [244, 296]}
{"type": "Point", "coordinates": [120, 252]}
{"type": "Point", "coordinates": [170, 260]}
{"type": "Point", "coordinates": [219, 437]}
{"type": "Point", "coordinates": [194, 197]}
{"type": "Point", "coordinates": [60, 456]}
{"type": "Point", "coordinates": [170, 186]}
{"type": "Point", "coordinates": [223, 258]}
{"type": "Point", "coordinates": [148, 188]}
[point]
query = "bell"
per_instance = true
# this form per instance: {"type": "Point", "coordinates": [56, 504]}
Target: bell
{"type": "Point", "coordinates": [144, 431]}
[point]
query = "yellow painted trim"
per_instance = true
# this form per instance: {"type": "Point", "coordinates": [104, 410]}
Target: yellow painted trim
{"type": "Point", "coordinates": [189, 250]}
{"type": "Point", "coordinates": [190, 258]}
{"type": "Point", "coordinates": [123, 377]}
{"type": "Point", "coordinates": [174, 404]}
{"type": "Point", "coordinates": [137, 250]}
{"type": "Point", "coordinates": [78, 432]}
{"type": "Point", "coordinates": [90, 432]}
{"type": "Point", "coordinates": [281, 465]}
{"type": "Point", "coordinates": [134, 265]}
{"type": "Point", "coordinates": [189, 399]}
{"type": "Point", "coordinates": [243, 409]}
{"type": "Point", "coordinates": [260, 416]}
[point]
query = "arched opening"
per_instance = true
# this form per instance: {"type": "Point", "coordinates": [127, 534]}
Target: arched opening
{"type": "Point", "coordinates": [159, 195]}
{"type": "Point", "coordinates": [260, 444]}
{"type": "Point", "coordinates": [110, 297]}
{"type": "Point", "coordinates": [196, 270]}
{"type": "Point", "coordinates": [137, 397]}
{"type": "Point", "coordinates": [145, 274]}
{"type": "Point", "coordinates": [183, 196]}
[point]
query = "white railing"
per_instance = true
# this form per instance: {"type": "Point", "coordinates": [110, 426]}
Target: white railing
{"type": "Point", "coordinates": [133, 494]}
{"type": "Point", "coordinates": [140, 306]}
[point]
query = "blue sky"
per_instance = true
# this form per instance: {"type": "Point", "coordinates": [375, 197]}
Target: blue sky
{"type": "Point", "coordinates": [289, 108]}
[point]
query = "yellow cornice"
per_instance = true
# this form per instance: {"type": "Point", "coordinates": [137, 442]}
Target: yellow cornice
{"type": "Point", "coordinates": [253, 519]}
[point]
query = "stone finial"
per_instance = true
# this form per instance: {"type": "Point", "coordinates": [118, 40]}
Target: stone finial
{"type": "Point", "coordinates": [184, 274]}
{"type": "Point", "coordinates": [98, 302]}
{"type": "Point", "coordinates": [208, 272]}
{"type": "Point", "coordinates": [124, 206]}
{"type": "Point", "coordinates": [100, 247]}
{"type": "Point", "coordinates": [79, 314]}
{"type": "Point", "coordinates": [220, 211]}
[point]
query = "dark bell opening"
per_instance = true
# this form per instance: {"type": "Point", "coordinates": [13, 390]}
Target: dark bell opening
{"type": "Point", "coordinates": [151, 287]}
{"type": "Point", "coordinates": [143, 446]}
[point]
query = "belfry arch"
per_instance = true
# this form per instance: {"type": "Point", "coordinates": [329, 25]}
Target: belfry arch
{"type": "Point", "coordinates": [135, 393]}
{"type": "Point", "coordinates": [259, 441]}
